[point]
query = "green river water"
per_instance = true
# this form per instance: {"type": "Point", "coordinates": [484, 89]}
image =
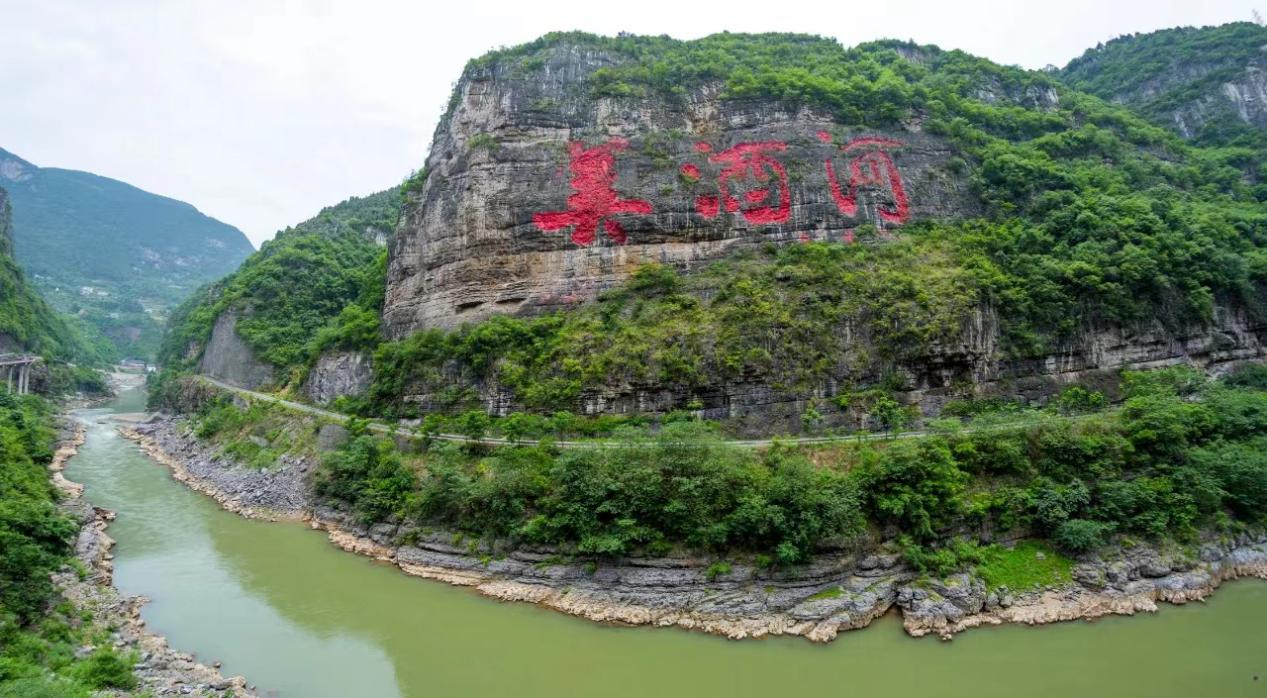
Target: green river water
{"type": "Point", "coordinates": [278, 604]}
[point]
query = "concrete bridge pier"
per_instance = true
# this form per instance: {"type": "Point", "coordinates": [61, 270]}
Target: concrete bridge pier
{"type": "Point", "coordinates": [17, 376]}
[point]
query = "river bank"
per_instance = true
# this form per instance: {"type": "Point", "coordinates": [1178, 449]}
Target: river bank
{"type": "Point", "coordinates": [161, 670]}
{"type": "Point", "coordinates": [818, 600]}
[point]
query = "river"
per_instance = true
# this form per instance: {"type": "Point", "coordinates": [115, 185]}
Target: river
{"type": "Point", "coordinates": [280, 605]}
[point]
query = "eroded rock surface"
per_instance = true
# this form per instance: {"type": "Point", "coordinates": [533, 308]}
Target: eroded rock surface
{"type": "Point", "coordinates": [227, 356]}
{"type": "Point", "coordinates": [539, 194]}
{"type": "Point", "coordinates": [338, 374]}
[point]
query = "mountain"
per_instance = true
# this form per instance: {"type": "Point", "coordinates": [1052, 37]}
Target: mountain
{"type": "Point", "coordinates": [971, 228]}
{"type": "Point", "coordinates": [116, 256]}
{"type": "Point", "coordinates": [1208, 84]}
{"type": "Point", "coordinates": [315, 285]}
{"type": "Point", "coordinates": [27, 323]}
{"type": "Point", "coordinates": [760, 227]}
{"type": "Point", "coordinates": [665, 243]}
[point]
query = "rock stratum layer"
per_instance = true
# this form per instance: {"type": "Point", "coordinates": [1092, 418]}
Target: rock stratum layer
{"type": "Point", "coordinates": [538, 195]}
{"type": "Point", "coordinates": [834, 592]}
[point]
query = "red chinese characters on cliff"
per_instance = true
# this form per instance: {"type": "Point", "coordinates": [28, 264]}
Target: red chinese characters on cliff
{"type": "Point", "coordinates": [746, 164]}
{"type": "Point", "coordinates": [870, 167]}
{"type": "Point", "coordinates": [751, 181]}
{"type": "Point", "coordinates": [595, 198]}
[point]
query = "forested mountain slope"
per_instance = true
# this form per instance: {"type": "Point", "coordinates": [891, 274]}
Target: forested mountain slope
{"type": "Point", "coordinates": [27, 323]}
{"type": "Point", "coordinates": [764, 227]}
{"type": "Point", "coordinates": [1208, 83]}
{"type": "Point", "coordinates": [117, 256]}
{"type": "Point", "coordinates": [323, 274]}
{"type": "Point", "coordinates": [671, 242]}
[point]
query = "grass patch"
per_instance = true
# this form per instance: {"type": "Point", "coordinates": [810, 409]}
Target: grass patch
{"type": "Point", "coordinates": [828, 593]}
{"type": "Point", "coordinates": [1030, 565]}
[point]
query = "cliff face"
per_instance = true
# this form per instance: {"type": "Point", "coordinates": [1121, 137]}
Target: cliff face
{"type": "Point", "coordinates": [228, 358]}
{"type": "Point", "coordinates": [972, 364]}
{"type": "Point", "coordinates": [538, 194]}
{"type": "Point", "coordinates": [1242, 96]}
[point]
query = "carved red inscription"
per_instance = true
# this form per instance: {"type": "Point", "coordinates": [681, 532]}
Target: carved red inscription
{"type": "Point", "coordinates": [746, 163]}
{"type": "Point", "coordinates": [871, 166]}
{"type": "Point", "coordinates": [595, 198]}
{"type": "Point", "coordinates": [751, 181]}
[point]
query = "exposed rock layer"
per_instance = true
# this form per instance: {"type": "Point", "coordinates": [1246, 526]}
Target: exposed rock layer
{"type": "Point", "coordinates": [338, 374]}
{"type": "Point", "coordinates": [227, 356]}
{"type": "Point", "coordinates": [524, 150]}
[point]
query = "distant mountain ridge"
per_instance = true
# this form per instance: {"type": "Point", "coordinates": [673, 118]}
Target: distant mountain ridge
{"type": "Point", "coordinates": [1209, 84]}
{"type": "Point", "coordinates": [117, 256]}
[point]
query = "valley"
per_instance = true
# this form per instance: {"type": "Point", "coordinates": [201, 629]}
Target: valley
{"type": "Point", "coordinates": [741, 364]}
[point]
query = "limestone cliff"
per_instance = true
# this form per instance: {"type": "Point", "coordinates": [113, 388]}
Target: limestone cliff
{"type": "Point", "coordinates": [538, 193]}
{"type": "Point", "coordinates": [549, 181]}
{"type": "Point", "coordinates": [228, 358]}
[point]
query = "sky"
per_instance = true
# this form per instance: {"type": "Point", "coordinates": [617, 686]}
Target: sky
{"type": "Point", "coordinates": [261, 112]}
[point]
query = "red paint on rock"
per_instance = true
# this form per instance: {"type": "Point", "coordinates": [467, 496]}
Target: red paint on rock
{"type": "Point", "coordinates": [752, 161]}
{"type": "Point", "coordinates": [707, 206]}
{"type": "Point", "coordinates": [824, 136]}
{"type": "Point", "coordinates": [872, 167]}
{"type": "Point", "coordinates": [595, 198]}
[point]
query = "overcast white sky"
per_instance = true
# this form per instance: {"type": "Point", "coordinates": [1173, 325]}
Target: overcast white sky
{"type": "Point", "coordinates": [259, 113]}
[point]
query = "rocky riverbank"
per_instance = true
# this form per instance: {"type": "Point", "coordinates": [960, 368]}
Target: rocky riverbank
{"type": "Point", "coordinates": [818, 600]}
{"type": "Point", "coordinates": [279, 493]}
{"type": "Point", "coordinates": [161, 670]}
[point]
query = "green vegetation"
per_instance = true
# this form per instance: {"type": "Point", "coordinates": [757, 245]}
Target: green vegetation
{"type": "Point", "coordinates": [773, 314]}
{"type": "Point", "coordinates": [828, 593]}
{"type": "Point", "coordinates": [681, 486]}
{"type": "Point", "coordinates": [29, 322]}
{"type": "Point", "coordinates": [1093, 217]}
{"type": "Point", "coordinates": [26, 320]}
{"type": "Point", "coordinates": [256, 435]}
{"type": "Point", "coordinates": [40, 632]}
{"type": "Point", "coordinates": [1028, 565]}
{"type": "Point", "coordinates": [1181, 454]}
{"type": "Point", "coordinates": [314, 286]}
{"type": "Point", "coordinates": [116, 257]}
{"type": "Point", "coordinates": [1161, 72]}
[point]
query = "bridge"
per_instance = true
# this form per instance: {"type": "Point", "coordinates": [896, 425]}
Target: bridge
{"type": "Point", "coordinates": [17, 368]}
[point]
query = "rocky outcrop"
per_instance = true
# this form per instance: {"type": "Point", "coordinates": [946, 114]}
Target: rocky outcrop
{"type": "Point", "coordinates": [836, 591]}
{"type": "Point", "coordinates": [1208, 83]}
{"type": "Point", "coordinates": [280, 492]}
{"type": "Point", "coordinates": [1244, 97]}
{"type": "Point", "coordinates": [338, 374]}
{"type": "Point", "coordinates": [228, 358]}
{"type": "Point", "coordinates": [538, 194]}
{"type": "Point", "coordinates": [973, 363]}
{"type": "Point", "coordinates": [819, 600]}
